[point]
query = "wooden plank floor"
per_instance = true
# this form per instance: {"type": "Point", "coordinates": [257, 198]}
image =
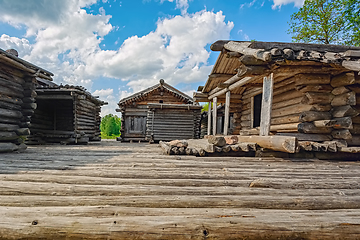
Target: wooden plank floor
{"type": "Point", "coordinates": [113, 190]}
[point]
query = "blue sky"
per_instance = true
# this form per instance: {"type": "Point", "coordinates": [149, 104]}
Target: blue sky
{"type": "Point", "coordinates": [115, 48]}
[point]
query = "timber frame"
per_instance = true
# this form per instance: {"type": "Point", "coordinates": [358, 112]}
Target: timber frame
{"type": "Point", "coordinates": [309, 91]}
{"type": "Point", "coordinates": [160, 112]}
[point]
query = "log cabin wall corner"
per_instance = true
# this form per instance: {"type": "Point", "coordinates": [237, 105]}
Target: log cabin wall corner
{"type": "Point", "coordinates": [17, 98]}
{"type": "Point", "coordinates": [316, 89]}
{"type": "Point", "coordinates": [160, 112]}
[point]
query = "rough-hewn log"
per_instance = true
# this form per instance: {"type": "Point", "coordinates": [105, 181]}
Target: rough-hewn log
{"type": "Point", "coordinates": [340, 90]}
{"type": "Point", "coordinates": [285, 119]}
{"type": "Point", "coordinates": [276, 143]}
{"type": "Point", "coordinates": [344, 111]}
{"type": "Point", "coordinates": [242, 47]}
{"type": "Point", "coordinates": [10, 113]}
{"type": "Point", "coordinates": [309, 116]}
{"type": "Point", "coordinates": [314, 88]}
{"type": "Point", "coordinates": [354, 141]}
{"type": "Point", "coordinates": [348, 98]}
{"type": "Point", "coordinates": [297, 108]}
{"type": "Point", "coordinates": [355, 130]}
{"type": "Point", "coordinates": [289, 126]}
{"type": "Point", "coordinates": [343, 79]}
{"type": "Point", "coordinates": [307, 127]}
{"type": "Point", "coordinates": [338, 123]}
{"type": "Point", "coordinates": [308, 136]}
{"type": "Point", "coordinates": [317, 98]}
{"type": "Point", "coordinates": [8, 147]}
{"type": "Point", "coordinates": [305, 79]}
{"type": "Point", "coordinates": [8, 136]}
{"type": "Point", "coordinates": [22, 132]}
{"type": "Point", "coordinates": [341, 134]}
{"type": "Point", "coordinates": [201, 144]}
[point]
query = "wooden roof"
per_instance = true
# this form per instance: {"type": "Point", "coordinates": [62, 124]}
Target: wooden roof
{"type": "Point", "coordinates": [139, 96]}
{"type": "Point", "coordinates": [238, 60]}
{"type": "Point", "coordinates": [10, 59]}
{"type": "Point", "coordinates": [51, 88]}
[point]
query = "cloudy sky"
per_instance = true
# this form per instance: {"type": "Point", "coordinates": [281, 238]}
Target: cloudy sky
{"type": "Point", "coordinates": [117, 47]}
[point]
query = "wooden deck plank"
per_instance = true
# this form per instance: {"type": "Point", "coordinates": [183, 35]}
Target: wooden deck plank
{"type": "Point", "coordinates": [112, 190]}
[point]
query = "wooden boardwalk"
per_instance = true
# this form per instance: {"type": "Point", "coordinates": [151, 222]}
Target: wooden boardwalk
{"type": "Point", "coordinates": [112, 190]}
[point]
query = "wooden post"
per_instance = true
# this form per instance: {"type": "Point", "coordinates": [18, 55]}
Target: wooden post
{"type": "Point", "coordinates": [227, 113]}
{"type": "Point", "coordinates": [266, 105]}
{"type": "Point", "coordinates": [209, 119]}
{"type": "Point", "coordinates": [214, 114]}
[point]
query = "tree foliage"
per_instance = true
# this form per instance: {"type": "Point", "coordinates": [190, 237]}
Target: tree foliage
{"type": "Point", "coordinates": [326, 21]}
{"type": "Point", "coordinates": [110, 125]}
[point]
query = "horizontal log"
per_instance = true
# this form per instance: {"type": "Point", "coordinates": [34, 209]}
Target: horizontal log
{"type": "Point", "coordinates": [314, 88]}
{"type": "Point", "coordinates": [8, 136]}
{"type": "Point", "coordinates": [297, 108]}
{"type": "Point", "coordinates": [348, 98]}
{"type": "Point", "coordinates": [343, 79]}
{"type": "Point", "coordinates": [341, 134]}
{"type": "Point", "coordinates": [8, 147]}
{"type": "Point", "coordinates": [355, 130]}
{"type": "Point", "coordinates": [5, 91]}
{"type": "Point", "coordinates": [338, 123]}
{"type": "Point", "coordinates": [7, 113]}
{"type": "Point", "coordinates": [309, 116]}
{"type": "Point", "coordinates": [285, 119]}
{"type": "Point", "coordinates": [344, 111]}
{"type": "Point", "coordinates": [308, 136]}
{"type": "Point", "coordinates": [353, 141]}
{"type": "Point", "coordinates": [314, 79]}
{"type": "Point", "coordinates": [340, 90]}
{"type": "Point", "coordinates": [8, 127]}
{"type": "Point", "coordinates": [276, 143]}
{"type": "Point", "coordinates": [317, 98]}
{"type": "Point", "coordinates": [307, 127]}
{"type": "Point", "coordinates": [288, 126]}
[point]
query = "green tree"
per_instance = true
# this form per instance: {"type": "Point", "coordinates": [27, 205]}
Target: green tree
{"type": "Point", "coordinates": [110, 125]}
{"type": "Point", "coordinates": [326, 21]}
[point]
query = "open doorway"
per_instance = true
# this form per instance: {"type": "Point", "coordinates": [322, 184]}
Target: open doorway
{"type": "Point", "coordinates": [257, 110]}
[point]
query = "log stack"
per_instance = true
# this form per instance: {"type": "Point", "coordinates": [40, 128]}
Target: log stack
{"type": "Point", "coordinates": [17, 99]}
{"type": "Point", "coordinates": [65, 114]}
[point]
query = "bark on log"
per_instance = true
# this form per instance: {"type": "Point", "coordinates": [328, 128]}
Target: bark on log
{"type": "Point", "coordinates": [276, 143]}
{"type": "Point", "coordinates": [310, 116]}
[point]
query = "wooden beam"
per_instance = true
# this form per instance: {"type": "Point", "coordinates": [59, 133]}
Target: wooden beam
{"type": "Point", "coordinates": [277, 143]}
{"type": "Point", "coordinates": [227, 113]}
{"type": "Point", "coordinates": [266, 103]}
{"type": "Point", "coordinates": [232, 87]}
{"type": "Point", "coordinates": [209, 119]}
{"type": "Point", "coordinates": [214, 114]}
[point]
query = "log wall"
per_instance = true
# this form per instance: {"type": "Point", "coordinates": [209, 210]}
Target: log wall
{"type": "Point", "coordinates": [65, 115]}
{"type": "Point", "coordinates": [320, 105]}
{"type": "Point", "coordinates": [17, 97]}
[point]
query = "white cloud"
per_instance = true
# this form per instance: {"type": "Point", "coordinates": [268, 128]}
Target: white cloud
{"type": "Point", "coordinates": [103, 92]}
{"type": "Point", "coordinates": [174, 51]}
{"type": "Point", "coordinates": [279, 3]}
{"type": "Point", "coordinates": [183, 5]}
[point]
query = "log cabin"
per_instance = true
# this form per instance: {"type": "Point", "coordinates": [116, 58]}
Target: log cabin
{"type": "Point", "coordinates": [65, 114]}
{"type": "Point", "coordinates": [160, 112]}
{"type": "Point", "coordinates": [307, 91]}
{"type": "Point", "coordinates": [17, 98]}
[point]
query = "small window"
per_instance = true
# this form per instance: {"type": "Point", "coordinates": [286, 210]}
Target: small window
{"type": "Point", "coordinates": [161, 101]}
{"type": "Point", "coordinates": [257, 110]}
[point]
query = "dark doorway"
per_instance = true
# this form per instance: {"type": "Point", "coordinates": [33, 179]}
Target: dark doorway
{"type": "Point", "coordinates": [257, 110]}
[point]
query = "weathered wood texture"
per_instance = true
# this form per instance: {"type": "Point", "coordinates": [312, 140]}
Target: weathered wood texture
{"type": "Point", "coordinates": [65, 114]}
{"type": "Point", "coordinates": [160, 112]}
{"type": "Point", "coordinates": [108, 190]}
